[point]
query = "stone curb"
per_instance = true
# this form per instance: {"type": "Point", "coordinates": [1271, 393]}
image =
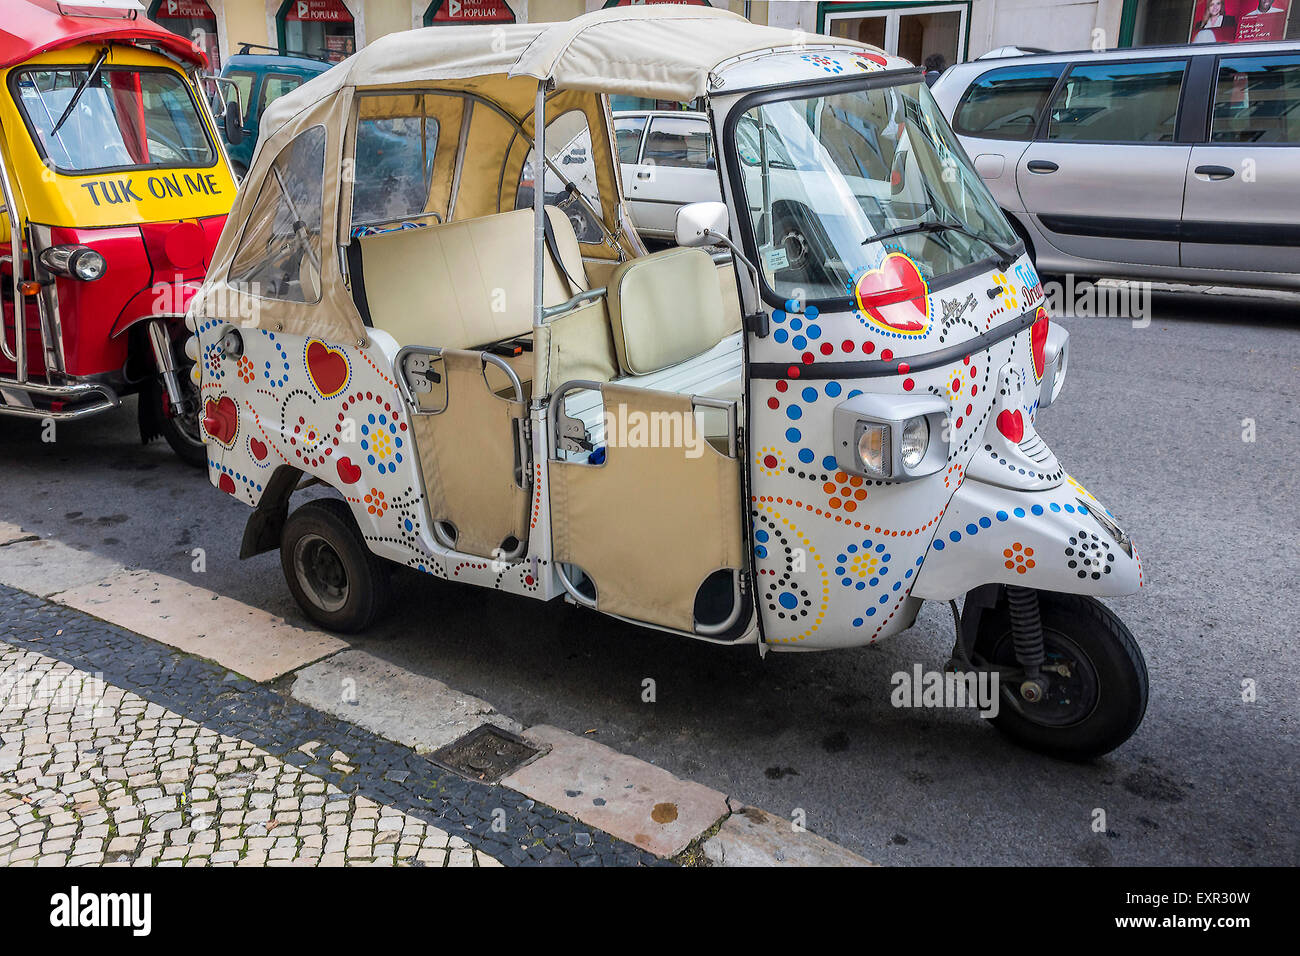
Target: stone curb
{"type": "Point", "coordinates": [630, 799]}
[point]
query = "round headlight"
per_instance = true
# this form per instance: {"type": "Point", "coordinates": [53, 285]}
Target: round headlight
{"type": "Point", "coordinates": [916, 439]}
{"type": "Point", "coordinates": [87, 265]}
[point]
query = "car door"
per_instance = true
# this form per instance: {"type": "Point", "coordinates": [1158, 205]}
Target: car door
{"type": "Point", "coordinates": [996, 118]}
{"type": "Point", "coordinates": [1242, 198]}
{"type": "Point", "coordinates": [629, 131]}
{"type": "Point", "coordinates": [1104, 178]}
{"type": "Point", "coordinates": [677, 167]}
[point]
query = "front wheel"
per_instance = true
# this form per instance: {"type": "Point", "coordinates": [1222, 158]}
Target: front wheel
{"type": "Point", "coordinates": [335, 578]}
{"type": "Point", "coordinates": [1096, 678]}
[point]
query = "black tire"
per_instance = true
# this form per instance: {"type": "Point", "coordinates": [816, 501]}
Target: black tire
{"type": "Point", "coordinates": [1102, 701]}
{"type": "Point", "coordinates": [336, 579]}
{"type": "Point", "coordinates": [182, 433]}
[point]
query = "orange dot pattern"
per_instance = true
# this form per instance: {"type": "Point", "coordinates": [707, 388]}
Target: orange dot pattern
{"type": "Point", "coordinates": [1018, 558]}
{"type": "Point", "coordinates": [845, 492]}
{"type": "Point", "coordinates": [376, 503]}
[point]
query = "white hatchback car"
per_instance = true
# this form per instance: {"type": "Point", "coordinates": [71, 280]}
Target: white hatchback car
{"type": "Point", "coordinates": [668, 161]}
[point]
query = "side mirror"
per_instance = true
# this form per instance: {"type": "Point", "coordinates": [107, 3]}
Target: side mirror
{"type": "Point", "coordinates": [233, 124]}
{"type": "Point", "coordinates": [699, 222]}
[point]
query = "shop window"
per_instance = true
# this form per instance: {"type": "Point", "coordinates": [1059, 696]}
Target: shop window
{"type": "Point", "coordinates": [1006, 103]}
{"type": "Point", "coordinates": [279, 255]}
{"type": "Point", "coordinates": [317, 28]}
{"type": "Point", "coordinates": [1257, 100]}
{"type": "Point", "coordinates": [1118, 103]}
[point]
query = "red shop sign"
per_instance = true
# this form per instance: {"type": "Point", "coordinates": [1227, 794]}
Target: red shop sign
{"type": "Point", "coordinates": [184, 10]}
{"type": "Point", "coordinates": [318, 11]}
{"type": "Point", "coordinates": [472, 11]}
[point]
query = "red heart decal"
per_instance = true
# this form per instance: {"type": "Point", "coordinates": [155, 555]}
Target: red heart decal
{"type": "Point", "coordinates": [1038, 342]}
{"type": "Point", "coordinates": [349, 473]}
{"type": "Point", "coordinates": [327, 367]}
{"type": "Point", "coordinates": [226, 484]}
{"type": "Point", "coordinates": [221, 419]}
{"type": "Point", "coordinates": [875, 58]}
{"type": "Point", "coordinates": [1011, 424]}
{"type": "Point", "coordinates": [894, 296]}
{"type": "Point", "coordinates": [258, 448]}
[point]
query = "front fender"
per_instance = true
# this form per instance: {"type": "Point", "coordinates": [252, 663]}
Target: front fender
{"type": "Point", "coordinates": [1049, 540]}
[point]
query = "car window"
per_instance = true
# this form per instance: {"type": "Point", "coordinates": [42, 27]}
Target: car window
{"type": "Point", "coordinates": [628, 130]}
{"type": "Point", "coordinates": [394, 167]}
{"type": "Point", "coordinates": [244, 84]}
{"type": "Point", "coordinates": [1257, 100]}
{"type": "Point", "coordinates": [679, 142]}
{"type": "Point", "coordinates": [279, 254]}
{"type": "Point", "coordinates": [1118, 102]}
{"type": "Point", "coordinates": [274, 86]}
{"type": "Point", "coordinates": [1006, 103]}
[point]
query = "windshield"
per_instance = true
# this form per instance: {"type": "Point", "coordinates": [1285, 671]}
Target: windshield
{"type": "Point", "coordinates": [124, 119]}
{"type": "Point", "coordinates": [825, 176]}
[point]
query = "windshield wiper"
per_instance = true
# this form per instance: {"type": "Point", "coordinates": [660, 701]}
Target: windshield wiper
{"type": "Point", "coordinates": [1005, 256]}
{"type": "Point", "coordinates": [90, 78]}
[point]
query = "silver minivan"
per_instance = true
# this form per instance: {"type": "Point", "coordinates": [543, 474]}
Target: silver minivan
{"type": "Point", "coordinates": [1171, 163]}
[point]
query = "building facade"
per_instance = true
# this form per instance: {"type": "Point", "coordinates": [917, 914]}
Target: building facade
{"type": "Point", "coordinates": [916, 29]}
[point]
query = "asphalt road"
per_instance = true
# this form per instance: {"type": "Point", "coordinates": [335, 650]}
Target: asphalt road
{"type": "Point", "coordinates": [1150, 420]}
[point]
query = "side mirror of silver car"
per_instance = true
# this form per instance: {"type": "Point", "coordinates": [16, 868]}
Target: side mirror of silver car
{"type": "Point", "coordinates": [701, 223]}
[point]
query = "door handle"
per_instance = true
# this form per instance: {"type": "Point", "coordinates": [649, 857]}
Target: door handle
{"type": "Point", "coordinates": [1214, 173]}
{"type": "Point", "coordinates": [643, 174]}
{"type": "Point", "coordinates": [1041, 166]}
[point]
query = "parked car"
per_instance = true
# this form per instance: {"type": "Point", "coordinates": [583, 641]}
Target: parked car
{"type": "Point", "coordinates": [667, 161]}
{"type": "Point", "coordinates": [253, 81]}
{"type": "Point", "coordinates": [1177, 163]}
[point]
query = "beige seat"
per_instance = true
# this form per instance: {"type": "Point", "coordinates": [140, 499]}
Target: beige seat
{"type": "Point", "coordinates": [664, 309]}
{"type": "Point", "coordinates": [464, 284]}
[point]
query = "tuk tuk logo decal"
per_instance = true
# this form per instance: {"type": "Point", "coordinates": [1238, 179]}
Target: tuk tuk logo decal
{"type": "Point", "coordinates": [221, 420]}
{"type": "Point", "coordinates": [899, 297]}
{"type": "Point", "coordinates": [327, 367]}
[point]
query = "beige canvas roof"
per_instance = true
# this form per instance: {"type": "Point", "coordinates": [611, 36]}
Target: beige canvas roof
{"type": "Point", "coordinates": [659, 51]}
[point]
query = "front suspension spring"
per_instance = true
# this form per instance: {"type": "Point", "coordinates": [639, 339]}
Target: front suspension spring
{"type": "Point", "coordinates": [1026, 628]}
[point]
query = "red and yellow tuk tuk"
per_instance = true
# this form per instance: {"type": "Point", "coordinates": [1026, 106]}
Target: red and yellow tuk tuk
{"type": "Point", "coordinates": [113, 190]}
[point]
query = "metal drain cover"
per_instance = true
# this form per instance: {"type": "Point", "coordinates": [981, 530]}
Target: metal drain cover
{"type": "Point", "coordinates": [486, 754]}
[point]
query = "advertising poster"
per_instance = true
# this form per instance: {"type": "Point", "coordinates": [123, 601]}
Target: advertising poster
{"type": "Point", "coordinates": [1238, 21]}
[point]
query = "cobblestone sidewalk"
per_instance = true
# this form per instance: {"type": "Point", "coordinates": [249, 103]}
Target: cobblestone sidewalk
{"type": "Point", "coordinates": [93, 774]}
{"type": "Point", "coordinates": [116, 750]}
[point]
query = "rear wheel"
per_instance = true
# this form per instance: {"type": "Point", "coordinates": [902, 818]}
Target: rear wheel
{"type": "Point", "coordinates": [335, 578]}
{"type": "Point", "coordinates": [1096, 678]}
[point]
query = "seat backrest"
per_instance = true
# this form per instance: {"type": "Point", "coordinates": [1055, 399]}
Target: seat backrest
{"type": "Point", "coordinates": [463, 284]}
{"type": "Point", "coordinates": [664, 309]}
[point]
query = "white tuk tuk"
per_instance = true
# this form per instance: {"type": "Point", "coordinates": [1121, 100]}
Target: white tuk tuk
{"type": "Point", "coordinates": [814, 412]}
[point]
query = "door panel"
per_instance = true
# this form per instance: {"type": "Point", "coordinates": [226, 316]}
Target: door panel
{"type": "Point", "coordinates": [674, 170]}
{"type": "Point", "coordinates": [1240, 207]}
{"type": "Point", "coordinates": [1105, 180]}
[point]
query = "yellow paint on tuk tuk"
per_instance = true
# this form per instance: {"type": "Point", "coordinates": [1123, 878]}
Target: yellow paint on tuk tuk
{"type": "Point", "coordinates": [160, 194]}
